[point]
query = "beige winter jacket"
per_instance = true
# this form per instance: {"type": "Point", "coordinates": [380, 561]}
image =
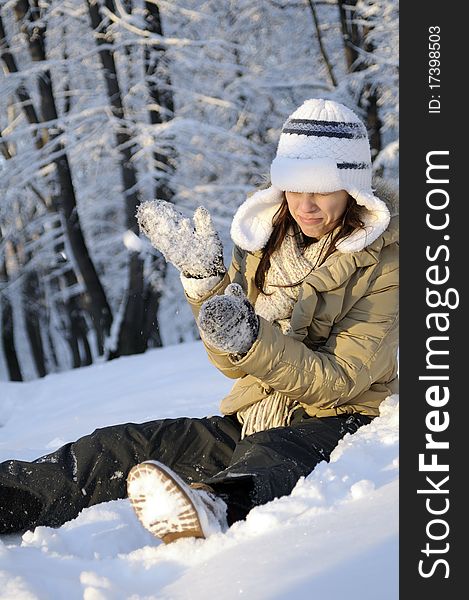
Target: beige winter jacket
{"type": "Point", "coordinates": [341, 356]}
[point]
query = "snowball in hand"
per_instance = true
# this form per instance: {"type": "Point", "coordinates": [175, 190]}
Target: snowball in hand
{"type": "Point", "coordinates": [229, 322]}
{"type": "Point", "coordinates": [195, 250]}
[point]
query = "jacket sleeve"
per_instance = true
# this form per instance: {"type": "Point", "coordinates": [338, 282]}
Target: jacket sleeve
{"type": "Point", "coordinates": [360, 350]}
{"type": "Point", "coordinates": [234, 275]}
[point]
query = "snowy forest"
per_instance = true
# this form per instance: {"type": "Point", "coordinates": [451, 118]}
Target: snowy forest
{"type": "Point", "coordinates": [105, 104]}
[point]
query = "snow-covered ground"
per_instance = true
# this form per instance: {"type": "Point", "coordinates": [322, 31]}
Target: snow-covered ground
{"type": "Point", "coordinates": [334, 537]}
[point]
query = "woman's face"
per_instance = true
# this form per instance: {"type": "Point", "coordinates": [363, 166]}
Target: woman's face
{"type": "Point", "coordinates": [317, 214]}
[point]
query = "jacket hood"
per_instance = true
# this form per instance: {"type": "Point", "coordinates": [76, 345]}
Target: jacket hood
{"type": "Point", "coordinates": [252, 222]}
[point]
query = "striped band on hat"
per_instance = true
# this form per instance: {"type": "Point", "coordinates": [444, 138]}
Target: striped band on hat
{"type": "Point", "coordinates": [354, 165]}
{"type": "Point", "coordinates": [336, 129]}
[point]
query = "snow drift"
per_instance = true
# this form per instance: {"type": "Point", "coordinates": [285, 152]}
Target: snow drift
{"type": "Point", "coordinates": [335, 536]}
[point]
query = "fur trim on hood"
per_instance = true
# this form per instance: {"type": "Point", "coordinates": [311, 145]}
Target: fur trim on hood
{"type": "Point", "coordinates": [252, 222]}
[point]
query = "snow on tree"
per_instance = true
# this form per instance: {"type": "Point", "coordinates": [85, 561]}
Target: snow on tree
{"type": "Point", "coordinates": [105, 104]}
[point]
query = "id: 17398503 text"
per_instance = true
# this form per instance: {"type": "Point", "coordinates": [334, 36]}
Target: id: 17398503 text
{"type": "Point", "coordinates": [434, 69]}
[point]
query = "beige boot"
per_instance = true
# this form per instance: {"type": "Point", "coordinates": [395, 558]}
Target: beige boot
{"type": "Point", "coordinates": [171, 509]}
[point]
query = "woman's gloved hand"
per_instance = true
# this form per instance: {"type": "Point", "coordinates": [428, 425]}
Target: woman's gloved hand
{"type": "Point", "coordinates": [228, 322]}
{"type": "Point", "coordinates": [196, 250]}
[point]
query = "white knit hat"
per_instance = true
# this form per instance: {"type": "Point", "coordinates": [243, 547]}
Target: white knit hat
{"type": "Point", "coordinates": [323, 148]}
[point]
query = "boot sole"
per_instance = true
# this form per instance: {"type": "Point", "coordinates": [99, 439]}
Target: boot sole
{"type": "Point", "coordinates": [185, 523]}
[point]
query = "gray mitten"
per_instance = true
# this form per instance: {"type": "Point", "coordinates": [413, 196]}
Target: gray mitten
{"type": "Point", "coordinates": [196, 250]}
{"type": "Point", "coordinates": [229, 322]}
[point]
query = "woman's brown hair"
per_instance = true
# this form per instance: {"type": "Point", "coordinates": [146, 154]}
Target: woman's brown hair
{"type": "Point", "coordinates": [282, 221]}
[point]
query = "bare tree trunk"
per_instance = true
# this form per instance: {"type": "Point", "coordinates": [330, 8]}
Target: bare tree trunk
{"type": "Point", "coordinates": [28, 15]}
{"type": "Point", "coordinates": [354, 38]}
{"type": "Point", "coordinates": [161, 110]}
{"type": "Point", "coordinates": [160, 93]}
{"type": "Point", "coordinates": [7, 337]}
{"type": "Point", "coordinates": [78, 329]}
{"type": "Point", "coordinates": [77, 325]}
{"type": "Point", "coordinates": [130, 339]}
{"type": "Point", "coordinates": [32, 289]}
{"type": "Point", "coordinates": [51, 348]}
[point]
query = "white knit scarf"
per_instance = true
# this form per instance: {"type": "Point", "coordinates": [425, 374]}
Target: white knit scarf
{"type": "Point", "coordinates": [288, 265]}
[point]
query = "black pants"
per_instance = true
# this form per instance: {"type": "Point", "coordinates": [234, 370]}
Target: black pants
{"type": "Point", "coordinates": [245, 473]}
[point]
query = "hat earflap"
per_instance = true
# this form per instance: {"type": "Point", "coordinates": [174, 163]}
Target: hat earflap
{"type": "Point", "coordinates": [252, 223]}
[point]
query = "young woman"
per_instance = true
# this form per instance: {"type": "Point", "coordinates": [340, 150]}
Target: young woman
{"type": "Point", "coordinates": [305, 320]}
